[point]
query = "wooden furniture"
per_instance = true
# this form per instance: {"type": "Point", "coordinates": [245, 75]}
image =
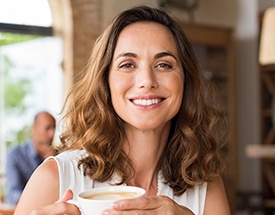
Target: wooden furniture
{"type": "Point", "coordinates": [215, 51]}
{"type": "Point", "coordinates": [267, 114]}
{"type": "Point", "coordinates": [267, 105]}
{"type": "Point", "coordinates": [2, 185]}
{"type": "Point", "coordinates": [6, 209]}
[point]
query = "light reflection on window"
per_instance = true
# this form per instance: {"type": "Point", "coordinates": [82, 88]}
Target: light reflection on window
{"type": "Point", "coordinates": [26, 12]}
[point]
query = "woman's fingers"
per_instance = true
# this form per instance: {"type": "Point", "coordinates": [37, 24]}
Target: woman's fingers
{"type": "Point", "coordinates": [149, 205]}
{"type": "Point", "coordinates": [68, 195]}
{"type": "Point", "coordinates": [143, 203]}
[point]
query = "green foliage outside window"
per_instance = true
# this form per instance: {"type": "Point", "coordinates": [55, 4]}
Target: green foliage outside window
{"type": "Point", "coordinates": [10, 38]}
{"type": "Point", "coordinates": [15, 90]}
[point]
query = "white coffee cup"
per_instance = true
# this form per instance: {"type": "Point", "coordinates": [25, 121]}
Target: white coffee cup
{"type": "Point", "coordinates": [96, 200]}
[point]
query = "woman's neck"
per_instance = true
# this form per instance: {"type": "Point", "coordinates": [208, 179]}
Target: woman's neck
{"type": "Point", "coordinates": [145, 149]}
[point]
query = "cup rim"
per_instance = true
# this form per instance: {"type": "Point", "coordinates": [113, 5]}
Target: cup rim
{"type": "Point", "coordinates": [140, 192]}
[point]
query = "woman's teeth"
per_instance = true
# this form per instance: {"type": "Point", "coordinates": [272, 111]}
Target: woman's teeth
{"type": "Point", "coordinates": [146, 102]}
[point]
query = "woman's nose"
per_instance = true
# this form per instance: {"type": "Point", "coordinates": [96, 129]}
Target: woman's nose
{"type": "Point", "coordinates": [146, 78]}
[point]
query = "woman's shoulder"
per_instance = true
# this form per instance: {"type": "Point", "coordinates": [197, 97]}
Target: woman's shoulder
{"type": "Point", "coordinates": [71, 155]}
{"type": "Point", "coordinates": [68, 160]}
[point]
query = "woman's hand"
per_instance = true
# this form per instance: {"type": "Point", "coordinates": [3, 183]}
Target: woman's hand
{"type": "Point", "coordinates": [59, 207]}
{"type": "Point", "coordinates": [148, 205]}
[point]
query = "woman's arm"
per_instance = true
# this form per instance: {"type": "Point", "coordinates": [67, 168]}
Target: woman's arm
{"type": "Point", "coordinates": [42, 188]}
{"type": "Point", "coordinates": [216, 202]}
{"type": "Point", "coordinates": [41, 194]}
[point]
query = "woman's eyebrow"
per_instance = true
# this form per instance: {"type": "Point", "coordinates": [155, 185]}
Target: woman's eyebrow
{"type": "Point", "coordinates": [163, 54]}
{"type": "Point", "coordinates": [158, 55]}
{"type": "Point", "coordinates": [126, 54]}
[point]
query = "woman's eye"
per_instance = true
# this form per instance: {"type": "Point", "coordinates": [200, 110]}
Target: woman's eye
{"type": "Point", "coordinates": [164, 65]}
{"type": "Point", "coordinates": [126, 65]}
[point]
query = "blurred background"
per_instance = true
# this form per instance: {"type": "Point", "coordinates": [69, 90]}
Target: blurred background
{"type": "Point", "coordinates": [44, 44]}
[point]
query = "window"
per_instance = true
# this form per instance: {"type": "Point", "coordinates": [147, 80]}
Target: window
{"type": "Point", "coordinates": [27, 12]}
{"type": "Point", "coordinates": [33, 61]}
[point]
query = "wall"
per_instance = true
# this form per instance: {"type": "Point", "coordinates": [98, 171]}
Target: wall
{"type": "Point", "coordinates": [263, 4]}
{"type": "Point", "coordinates": [247, 80]}
{"type": "Point", "coordinates": [112, 8]}
{"type": "Point", "coordinates": [212, 12]}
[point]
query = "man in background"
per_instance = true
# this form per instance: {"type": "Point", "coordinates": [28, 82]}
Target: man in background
{"type": "Point", "coordinates": [22, 160]}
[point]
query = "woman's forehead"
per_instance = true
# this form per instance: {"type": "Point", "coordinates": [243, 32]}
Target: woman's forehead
{"type": "Point", "coordinates": [139, 36]}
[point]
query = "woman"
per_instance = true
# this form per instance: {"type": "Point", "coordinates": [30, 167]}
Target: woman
{"type": "Point", "coordinates": [139, 117]}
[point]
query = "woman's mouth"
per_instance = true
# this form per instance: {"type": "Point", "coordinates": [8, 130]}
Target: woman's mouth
{"type": "Point", "coordinates": [146, 102]}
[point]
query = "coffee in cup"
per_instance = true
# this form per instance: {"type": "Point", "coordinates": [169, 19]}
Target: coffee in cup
{"type": "Point", "coordinates": [96, 200]}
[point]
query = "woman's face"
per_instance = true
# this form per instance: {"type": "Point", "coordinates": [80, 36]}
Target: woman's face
{"type": "Point", "coordinates": [146, 77]}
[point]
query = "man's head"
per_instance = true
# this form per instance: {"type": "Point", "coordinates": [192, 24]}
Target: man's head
{"type": "Point", "coordinates": [43, 130]}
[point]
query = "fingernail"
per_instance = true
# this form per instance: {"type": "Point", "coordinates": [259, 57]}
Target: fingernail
{"type": "Point", "coordinates": [116, 205]}
{"type": "Point", "coordinates": [107, 213]}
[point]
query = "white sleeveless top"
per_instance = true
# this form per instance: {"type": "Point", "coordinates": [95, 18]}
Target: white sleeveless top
{"type": "Point", "coordinates": [70, 177]}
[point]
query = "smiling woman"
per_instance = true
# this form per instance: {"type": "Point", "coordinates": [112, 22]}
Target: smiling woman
{"type": "Point", "coordinates": [137, 119]}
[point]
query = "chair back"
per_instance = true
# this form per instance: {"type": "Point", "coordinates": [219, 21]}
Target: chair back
{"type": "Point", "coordinates": [6, 209]}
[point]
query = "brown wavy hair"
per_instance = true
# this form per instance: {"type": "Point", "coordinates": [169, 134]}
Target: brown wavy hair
{"type": "Point", "coordinates": [193, 153]}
